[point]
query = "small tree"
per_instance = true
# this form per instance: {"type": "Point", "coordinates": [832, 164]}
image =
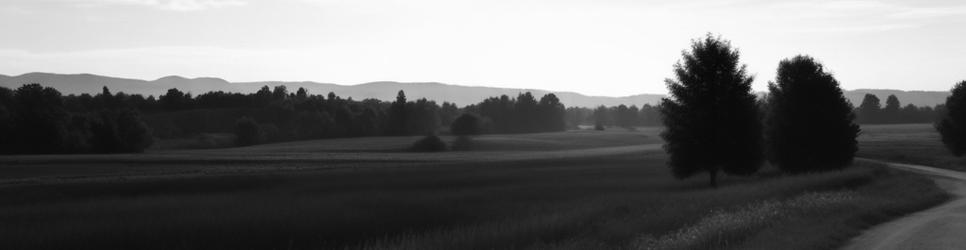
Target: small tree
{"type": "Point", "coordinates": [870, 110]}
{"type": "Point", "coordinates": [809, 125]}
{"type": "Point", "coordinates": [551, 113]}
{"type": "Point", "coordinates": [398, 116]}
{"type": "Point", "coordinates": [466, 124]}
{"type": "Point", "coordinates": [247, 132]}
{"type": "Point", "coordinates": [712, 120]}
{"type": "Point", "coordinates": [952, 126]}
{"type": "Point", "coordinates": [600, 117]}
{"type": "Point", "coordinates": [430, 143]}
{"type": "Point", "coordinates": [134, 133]}
{"type": "Point", "coordinates": [892, 104]}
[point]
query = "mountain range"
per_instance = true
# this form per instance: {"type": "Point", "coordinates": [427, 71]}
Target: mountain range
{"type": "Point", "coordinates": [440, 92]}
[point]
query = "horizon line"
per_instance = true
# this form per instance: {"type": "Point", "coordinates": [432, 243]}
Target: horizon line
{"type": "Point", "coordinates": [402, 82]}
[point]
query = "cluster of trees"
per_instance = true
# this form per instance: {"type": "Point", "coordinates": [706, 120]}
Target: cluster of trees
{"type": "Point", "coordinates": [714, 123]}
{"type": "Point", "coordinates": [306, 116]}
{"type": "Point", "coordinates": [523, 114]}
{"type": "Point", "coordinates": [620, 116]}
{"type": "Point", "coordinates": [871, 111]}
{"type": "Point", "coordinates": [37, 119]}
{"type": "Point", "coordinates": [278, 115]}
{"type": "Point", "coordinates": [275, 114]}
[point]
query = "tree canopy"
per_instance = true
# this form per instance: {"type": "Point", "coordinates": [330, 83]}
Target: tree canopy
{"type": "Point", "coordinates": [952, 126]}
{"type": "Point", "coordinates": [809, 125]}
{"type": "Point", "coordinates": [711, 117]}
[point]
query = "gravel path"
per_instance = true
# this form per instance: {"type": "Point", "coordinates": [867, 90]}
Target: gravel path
{"type": "Point", "coordinates": [941, 227]}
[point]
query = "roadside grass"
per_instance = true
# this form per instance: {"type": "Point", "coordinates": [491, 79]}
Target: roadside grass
{"type": "Point", "coordinates": [828, 220]}
{"type": "Point", "coordinates": [907, 143]}
{"type": "Point", "coordinates": [617, 202]}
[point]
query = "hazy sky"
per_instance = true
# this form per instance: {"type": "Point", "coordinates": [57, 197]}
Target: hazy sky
{"type": "Point", "coordinates": [597, 47]}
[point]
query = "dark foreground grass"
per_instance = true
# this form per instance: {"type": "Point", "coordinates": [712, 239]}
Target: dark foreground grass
{"type": "Point", "coordinates": [594, 203]}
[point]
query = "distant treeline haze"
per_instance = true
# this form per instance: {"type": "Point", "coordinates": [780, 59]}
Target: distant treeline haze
{"type": "Point", "coordinates": [871, 111]}
{"type": "Point", "coordinates": [37, 119]}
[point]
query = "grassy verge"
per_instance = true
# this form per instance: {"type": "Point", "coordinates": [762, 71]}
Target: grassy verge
{"type": "Point", "coordinates": [811, 220]}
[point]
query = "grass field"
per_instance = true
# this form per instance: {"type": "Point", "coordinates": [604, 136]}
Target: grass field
{"type": "Point", "coordinates": [571, 190]}
{"type": "Point", "coordinates": [907, 143]}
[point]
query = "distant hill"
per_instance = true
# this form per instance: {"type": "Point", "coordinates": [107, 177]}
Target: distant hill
{"type": "Point", "coordinates": [461, 95]}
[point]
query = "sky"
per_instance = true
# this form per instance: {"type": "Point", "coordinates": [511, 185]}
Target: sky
{"type": "Point", "coordinates": [594, 47]}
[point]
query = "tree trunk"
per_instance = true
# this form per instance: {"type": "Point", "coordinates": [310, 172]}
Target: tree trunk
{"type": "Point", "coordinates": [714, 178]}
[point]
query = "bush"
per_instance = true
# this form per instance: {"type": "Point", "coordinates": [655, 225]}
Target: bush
{"type": "Point", "coordinates": [599, 126]}
{"type": "Point", "coordinates": [134, 133]}
{"type": "Point", "coordinates": [462, 143]}
{"type": "Point", "coordinates": [466, 124]}
{"type": "Point", "coordinates": [247, 132]}
{"type": "Point", "coordinates": [430, 143]}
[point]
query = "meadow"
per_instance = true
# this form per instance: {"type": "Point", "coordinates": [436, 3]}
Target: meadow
{"type": "Point", "coordinates": [907, 143]}
{"type": "Point", "coordinates": [568, 190]}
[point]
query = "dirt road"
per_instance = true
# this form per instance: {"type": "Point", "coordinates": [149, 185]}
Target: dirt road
{"type": "Point", "coordinates": [941, 227]}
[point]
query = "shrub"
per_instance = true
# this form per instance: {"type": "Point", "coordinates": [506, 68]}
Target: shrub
{"type": "Point", "coordinates": [430, 143]}
{"type": "Point", "coordinates": [133, 133]}
{"type": "Point", "coordinates": [599, 127]}
{"type": "Point", "coordinates": [247, 132]}
{"type": "Point", "coordinates": [462, 143]}
{"type": "Point", "coordinates": [466, 124]}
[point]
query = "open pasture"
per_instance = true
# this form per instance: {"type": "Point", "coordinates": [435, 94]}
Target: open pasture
{"type": "Point", "coordinates": [613, 192]}
{"type": "Point", "coordinates": [907, 143]}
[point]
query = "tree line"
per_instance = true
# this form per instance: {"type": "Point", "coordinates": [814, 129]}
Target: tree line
{"type": "Point", "coordinates": [619, 116]}
{"type": "Point", "coordinates": [523, 114]}
{"type": "Point", "coordinates": [871, 111]}
{"type": "Point", "coordinates": [37, 119]}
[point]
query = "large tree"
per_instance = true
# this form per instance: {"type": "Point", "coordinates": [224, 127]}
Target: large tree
{"type": "Point", "coordinates": [952, 126]}
{"type": "Point", "coordinates": [712, 121]}
{"type": "Point", "coordinates": [809, 126]}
